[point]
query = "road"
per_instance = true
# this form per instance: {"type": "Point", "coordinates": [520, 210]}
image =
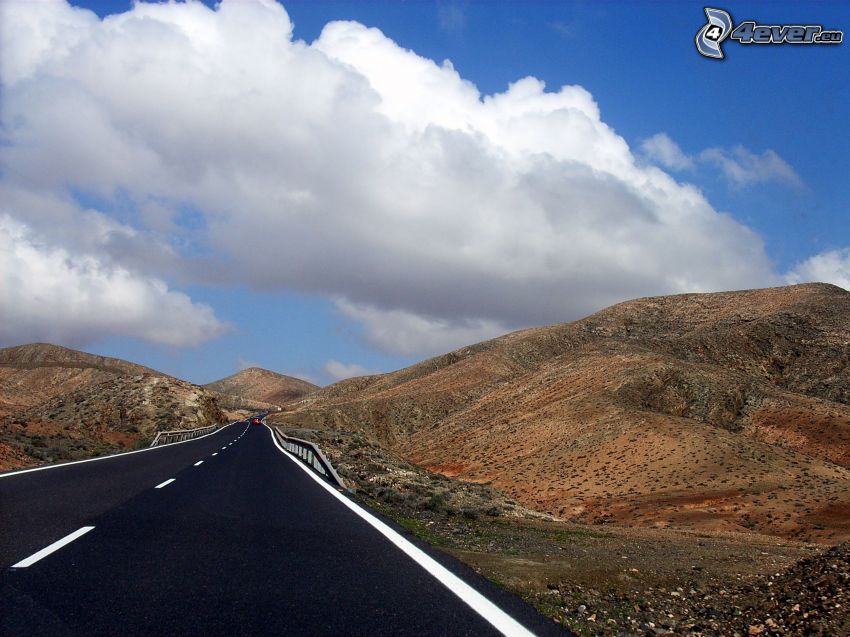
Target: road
{"type": "Point", "coordinates": [225, 535]}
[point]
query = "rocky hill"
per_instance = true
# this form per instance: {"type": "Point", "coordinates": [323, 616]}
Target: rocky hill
{"type": "Point", "coordinates": [61, 404]}
{"type": "Point", "coordinates": [722, 411]}
{"type": "Point", "coordinates": [260, 386]}
{"type": "Point", "coordinates": [31, 373]}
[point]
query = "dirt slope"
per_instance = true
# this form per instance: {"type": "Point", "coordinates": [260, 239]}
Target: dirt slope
{"type": "Point", "coordinates": [263, 386]}
{"type": "Point", "coordinates": [60, 404]}
{"type": "Point", "coordinates": [31, 373]}
{"type": "Point", "coordinates": [722, 411]}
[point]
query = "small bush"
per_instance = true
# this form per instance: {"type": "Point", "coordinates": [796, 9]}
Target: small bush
{"type": "Point", "coordinates": [389, 495]}
{"type": "Point", "coordinates": [436, 502]}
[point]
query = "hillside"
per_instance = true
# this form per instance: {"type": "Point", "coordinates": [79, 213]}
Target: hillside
{"type": "Point", "coordinates": [61, 404]}
{"type": "Point", "coordinates": [29, 374]}
{"type": "Point", "coordinates": [726, 411]}
{"type": "Point", "coordinates": [256, 385]}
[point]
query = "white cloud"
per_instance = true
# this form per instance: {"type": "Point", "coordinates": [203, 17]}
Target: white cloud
{"type": "Point", "coordinates": [410, 334]}
{"type": "Point", "coordinates": [341, 371]}
{"type": "Point", "coordinates": [743, 167]}
{"type": "Point", "coordinates": [665, 152]}
{"type": "Point", "coordinates": [740, 166]}
{"type": "Point", "coordinates": [349, 167]}
{"type": "Point", "coordinates": [832, 266]}
{"type": "Point", "coordinates": [51, 295]}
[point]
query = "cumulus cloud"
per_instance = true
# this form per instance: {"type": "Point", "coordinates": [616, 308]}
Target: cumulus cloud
{"type": "Point", "coordinates": [353, 168]}
{"type": "Point", "coordinates": [665, 152]}
{"type": "Point", "coordinates": [341, 371]}
{"type": "Point", "coordinates": [50, 295]}
{"type": "Point", "coordinates": [832, 266]}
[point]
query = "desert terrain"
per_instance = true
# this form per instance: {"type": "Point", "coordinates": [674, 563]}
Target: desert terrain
{"type": "Point", "coordinates": [714, 412]}
{"type": "Point", "coordinates": [260, 388]}
{"type": "Point", "coordinates": [609, 579]}
{"type": "Point", "coordinates": [670, 465]}
{"type": "Point", "coordinates": [60, 404]}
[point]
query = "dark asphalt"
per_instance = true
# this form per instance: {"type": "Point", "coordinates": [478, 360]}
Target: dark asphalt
{"type": "Point", "coordinates": [244, 544]}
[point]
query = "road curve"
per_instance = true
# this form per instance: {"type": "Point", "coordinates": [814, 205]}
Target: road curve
{"type": "Point", "coordinates": [224, 535]}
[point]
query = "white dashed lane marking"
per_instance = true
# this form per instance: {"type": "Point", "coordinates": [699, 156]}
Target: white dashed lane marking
{"type": "Point", "coordinates": [47, 550]}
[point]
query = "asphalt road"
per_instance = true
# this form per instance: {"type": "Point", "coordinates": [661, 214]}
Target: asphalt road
{"type": "Point", "coordinates": [179, 541]}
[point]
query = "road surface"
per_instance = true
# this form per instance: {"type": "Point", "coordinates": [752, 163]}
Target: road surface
{"type": "Point", "coordinates": [225, 535]}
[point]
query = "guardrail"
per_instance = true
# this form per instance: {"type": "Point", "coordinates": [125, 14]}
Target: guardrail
{"type": "Point", "coordinates": [310, 454]}
{"type": "Point", "coordinates": [167, 437]}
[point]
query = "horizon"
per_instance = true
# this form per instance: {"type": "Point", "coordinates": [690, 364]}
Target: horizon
{"type": "Point", "coordinates": [390, 371]}
{"type": "Point", "coordinates": [412, 180]}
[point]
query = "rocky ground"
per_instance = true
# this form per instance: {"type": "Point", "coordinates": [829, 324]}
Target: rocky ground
{"type": "Point", "coordinates": [114, 415]}
{"type": "Point", "coordinates": [384, 479]}
{"type": "Point", "coordinates": [606, 579]}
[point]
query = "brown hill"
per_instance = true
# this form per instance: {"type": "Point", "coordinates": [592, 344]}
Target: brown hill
{"type": "Point", "coordinates": [61, 404]}
{"type": "Point", "coordinates": [720, 411]}
{"type": "Point", "coordinates": [29, 374]}
{"type": "Point", "coordinates": [256, 385]}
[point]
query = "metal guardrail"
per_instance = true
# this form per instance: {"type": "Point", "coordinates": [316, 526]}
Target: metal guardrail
{"type": "Point", "coordinates": [311, 455]}
{"type": "Point", "coordinates": [167, 437]}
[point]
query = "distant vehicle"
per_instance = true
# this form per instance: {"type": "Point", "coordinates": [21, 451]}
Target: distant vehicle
{"type": "Point", "coordinates": [256, 421]}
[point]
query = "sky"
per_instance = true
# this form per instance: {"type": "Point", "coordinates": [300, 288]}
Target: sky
{"type": "Point", "coordinates": [329, 189]}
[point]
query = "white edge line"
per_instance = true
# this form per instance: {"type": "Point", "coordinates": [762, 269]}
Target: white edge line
{"type": "Point", "coordinates": [498, 618]}
{"type": "Point", "coordinates": [199, 463]}
{"type": "Point", "coordinates": [47, 550]}
{"type": "Point", "coordinates": [165, 484]}
{"type": "Point", "coordinates": [114, 455]}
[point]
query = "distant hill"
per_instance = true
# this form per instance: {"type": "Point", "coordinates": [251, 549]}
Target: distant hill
{"type": "Point", "coordinates": [61, 404]}
{"type": "Point", "coordinates": [257, 385]}
{"type": "Point", "coordinates": [719, 411]}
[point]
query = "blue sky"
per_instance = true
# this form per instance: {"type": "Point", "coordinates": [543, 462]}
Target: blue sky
{"type": "Point", "coordinates": [778, 115]}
